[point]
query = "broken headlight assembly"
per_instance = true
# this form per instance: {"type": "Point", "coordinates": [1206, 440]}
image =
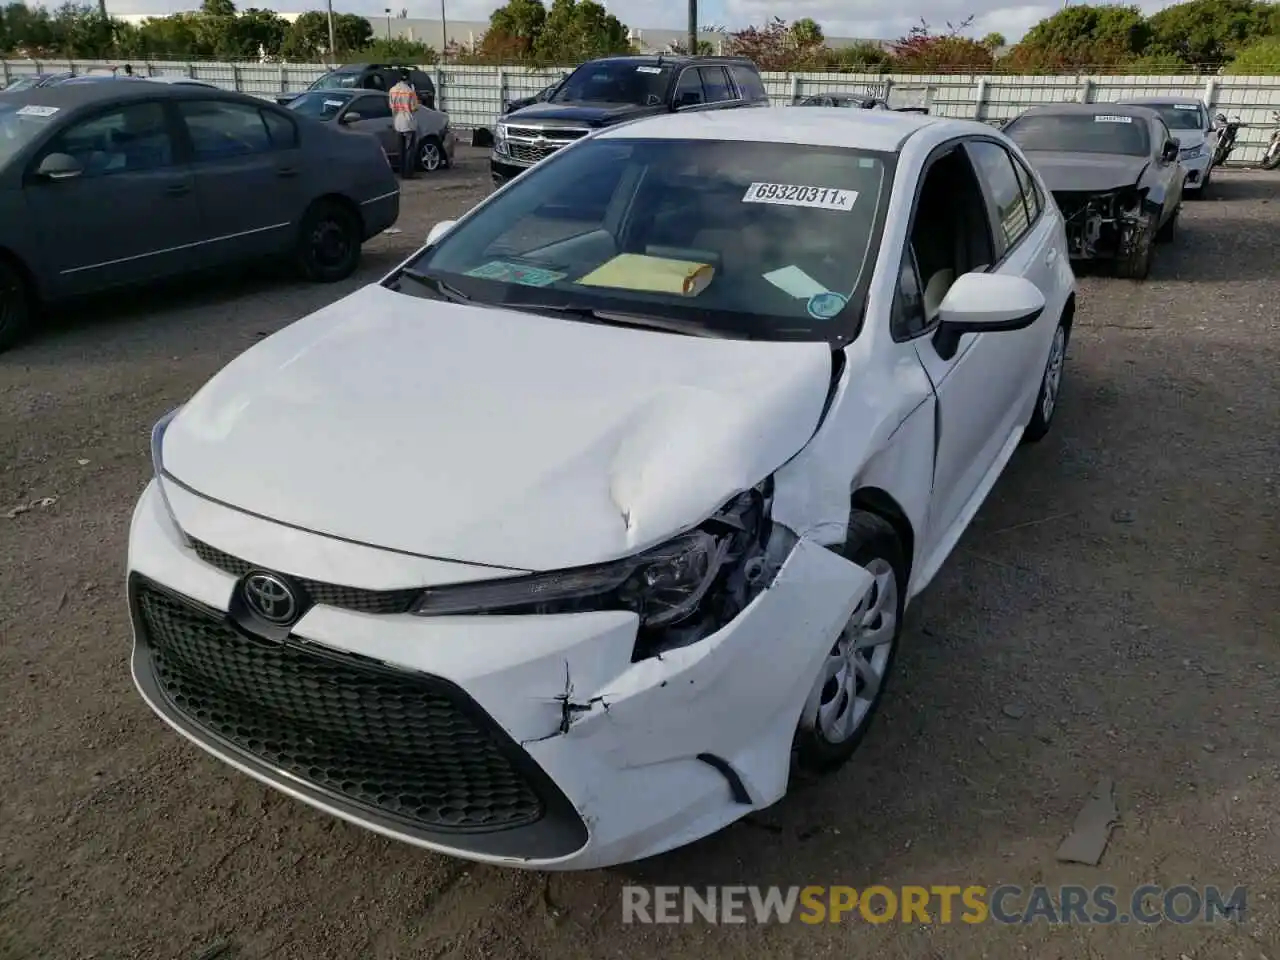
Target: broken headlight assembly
{"type": "Point", "coordinates": [681, 590]}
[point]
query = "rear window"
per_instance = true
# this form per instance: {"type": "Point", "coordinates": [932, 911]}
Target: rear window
{"type": "Point", "coordinates": [749, 83]}
{"type": "Point", "coordinates": [1099, 132]}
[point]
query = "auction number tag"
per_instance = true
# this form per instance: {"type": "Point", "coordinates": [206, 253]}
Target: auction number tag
{"type": "Point", "coordinates": [1184, 106]}
{"type": "Point", "coordinates": [1106, 119]}
{"type": "Point", "coordinates": [336, 104]}
{"type": "Point", "coordinates": [794, 195]}
{"type": "Point", "coordinates": [34, 110]}
{"type": "Point", "coordinates": [648, 69]}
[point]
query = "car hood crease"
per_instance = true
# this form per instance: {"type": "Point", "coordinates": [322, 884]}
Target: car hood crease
{"type": "Point", "coordinates": [491, 436]}
{"type": "Point", "coordinates": [1086, 172]}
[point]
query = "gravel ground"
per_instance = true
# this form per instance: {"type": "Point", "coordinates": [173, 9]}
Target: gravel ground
{"type": "Point", "coordinates": [1113, 612]}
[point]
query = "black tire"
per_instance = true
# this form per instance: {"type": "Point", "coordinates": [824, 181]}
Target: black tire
{"type": "Point", "coordinates": [17, 306]}
{"type": "Point", "coordinates": [329, 242]}
{"type": "Point", "coordinates": [1050, 393]}
{"type": "Point", "coordinates": [1136, 264]}
{"type": "Point", "coordinates": [1169, 231]}
{"type": "Point", "coordinates": [871, 543]}
{"type": "Point", "coordinates": [431, 158]}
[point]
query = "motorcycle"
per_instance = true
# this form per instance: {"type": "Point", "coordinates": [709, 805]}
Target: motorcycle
{"type": "Point", "coordinates": [1271, 159]}
{"type": "Point", "coordinates": [1227, 130]}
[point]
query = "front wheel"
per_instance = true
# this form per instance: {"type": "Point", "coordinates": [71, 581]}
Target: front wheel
{"type": "Point", "coordinates": [329, 242]}
{"type": "Point", "coordinates": [1050, 385]}
{"type": "Point", "coordinates": [1271, 159]}
{"type": "Point", "coordinates": [848, 690]}
{"type": "Point", "coordinates": [1135, 262]}
{"type": "Point", "coordinates": [16, 308]}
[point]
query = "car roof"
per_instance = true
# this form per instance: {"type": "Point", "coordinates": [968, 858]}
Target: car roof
{"type": "Point", "coordinates": [674, 59]}
{"type": "Point", "coordinates": [878, 130]}
{"type": "Point", "coordinates": [1090, 109]}
{"type": "Point", "coordinates": [73, 96]}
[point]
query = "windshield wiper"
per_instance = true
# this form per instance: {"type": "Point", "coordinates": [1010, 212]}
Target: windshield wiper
{"type": "Point", "coordinates": [434, 283]}
{"type": "Point", "coordinates": [611, 318]}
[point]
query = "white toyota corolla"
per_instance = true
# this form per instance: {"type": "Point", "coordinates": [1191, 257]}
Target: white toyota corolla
{"type": "Point", "coordinates": [570, 540]}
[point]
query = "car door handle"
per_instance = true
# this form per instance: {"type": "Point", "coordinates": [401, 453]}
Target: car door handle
{"type": "Point", "coordinates": [178, 189]}
{"type": "Point", "coordinates": [286, 171]}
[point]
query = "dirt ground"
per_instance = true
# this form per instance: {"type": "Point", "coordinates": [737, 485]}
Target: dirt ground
{"type": "Point", "coordinates": [1113, 612]}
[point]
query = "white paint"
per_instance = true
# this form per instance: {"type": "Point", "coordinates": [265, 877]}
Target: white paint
{"type": "Point", "coordinates": [1111, 119]}
{"type": "Point", "coordinates": [35, 110]}
{"type": "Point", "coordinates": [470, 435]}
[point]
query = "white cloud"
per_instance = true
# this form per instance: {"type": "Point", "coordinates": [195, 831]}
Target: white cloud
{"type": "Point", "coordinates": [838, 18]}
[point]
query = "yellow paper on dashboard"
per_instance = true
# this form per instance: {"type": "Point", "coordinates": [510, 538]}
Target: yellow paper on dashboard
{"type": "Point", "coordinates": [634, 271]}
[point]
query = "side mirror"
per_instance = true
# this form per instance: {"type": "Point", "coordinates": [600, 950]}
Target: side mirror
{"type": "Point", "coordinates": [350, 118]}
{"type": "Point", "coordinates": [985, 303]}
{"type": "Point", "coordinates": [439, 230]}
{"type": "Point", "coordinates": [59, 166]}
{"type": "Point", "coordinates": [1170, 151]}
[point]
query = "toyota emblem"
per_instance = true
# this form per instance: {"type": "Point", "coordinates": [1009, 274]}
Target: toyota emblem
{"type": "Point", "coordinates": [270, 598]}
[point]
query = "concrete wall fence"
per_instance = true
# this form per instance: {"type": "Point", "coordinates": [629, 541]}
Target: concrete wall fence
{"type": "Point", "coordinates": [473, 96]}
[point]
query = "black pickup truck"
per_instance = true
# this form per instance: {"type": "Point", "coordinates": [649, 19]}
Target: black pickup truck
{"type": "Point", "coordinates": [602, 93]}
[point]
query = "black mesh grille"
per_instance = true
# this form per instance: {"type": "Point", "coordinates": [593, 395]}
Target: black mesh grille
{"type": "Point", "coordinates": [396, 743]}
{"type": "Point", "coordinates": [329, 594]}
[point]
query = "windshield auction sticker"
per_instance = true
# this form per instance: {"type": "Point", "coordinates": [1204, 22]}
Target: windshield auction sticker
{"type": "Point", "coordinates": [1107, 119]}
{"type": "Point", "coordinates": [34, 110]}
{"type": "Point", "coordinates": [515, 273]}
{"type": "Point", "coordinates": [1184, 106]}
{"type": "Point", "coordinates": [794, 195]}
{"type": "Point", "coordinates": [648, 69]}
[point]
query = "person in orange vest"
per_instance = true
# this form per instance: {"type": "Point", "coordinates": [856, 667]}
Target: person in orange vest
{"type": "Point", "coordinates": [404, 113]}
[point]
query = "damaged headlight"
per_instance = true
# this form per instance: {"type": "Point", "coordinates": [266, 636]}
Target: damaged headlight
{"type": "Point", "coordinates": [700, 578]}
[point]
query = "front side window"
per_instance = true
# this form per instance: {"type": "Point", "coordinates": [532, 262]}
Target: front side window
{"type": "Point", "coordinates": [910, 317]}
{"type": "Point", "coordinates": [616, 81]}
{"type": "Point", "coordinates": [220, 130]}
{"type": "Point", "coordinates": [715, 84]}
{"type": "Point", "coordinates": [689, 90]}
{"type": "Point", "coordinates": [995, 166]}
{"type": "Point", "coordinates": [1096, 132]}
{"type": "Point", "coordinates": [1030, 195]}
{"type": "Point", "coordinates": [372, 108]}
{"type": "Point", "coordinates": [128, 139]}
{"type": "Point", "coordinates": [760, 240]}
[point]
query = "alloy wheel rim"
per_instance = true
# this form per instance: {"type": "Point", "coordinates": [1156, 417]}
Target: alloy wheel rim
{"type": "Point", "coordinates": [1053, 373]}
{"type": "Point", "coordinates": [853, 673]}
{"type": "Point", "coordinates": [430, 157]}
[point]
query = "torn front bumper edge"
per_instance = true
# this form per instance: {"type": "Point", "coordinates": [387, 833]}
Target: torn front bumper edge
{"type": "Point", "coordinates": [651, 755]}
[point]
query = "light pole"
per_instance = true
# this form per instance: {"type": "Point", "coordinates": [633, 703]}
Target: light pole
{"type": "Point", "coordinates": [444, 32]}
{"type": "Point", "coordinates": [693, 28]}
{"type": "Point", "coordinates": [333, 46]}
{"type": "Point", "coordinates": [388, 13]}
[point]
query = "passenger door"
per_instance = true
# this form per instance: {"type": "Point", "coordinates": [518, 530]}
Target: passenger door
{"type": "Point", "coordinates": [249, 177]}
{"type": "Point", "coordinates": [130, 215]}
{"type": "Point", "coordinates": [1169, 173]}
{"type": "Point", "coordinates": [375, 120]}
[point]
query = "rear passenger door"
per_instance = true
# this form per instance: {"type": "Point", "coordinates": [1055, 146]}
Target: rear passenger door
{"type": "Point", "coordinates": [375, 120]}
{"type": "Point", "coordinates": [249, 178]}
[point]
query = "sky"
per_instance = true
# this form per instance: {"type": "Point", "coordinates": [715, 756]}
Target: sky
{"type": "Point", "coordinates": [838, 18]}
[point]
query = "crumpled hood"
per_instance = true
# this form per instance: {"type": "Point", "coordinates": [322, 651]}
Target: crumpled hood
{"type": "Point", "coordinates": [581, 114]}
{"type": "Point", "coordinates": [490, 436]}
{"type": "Point", "coordinates": [1086, 172]}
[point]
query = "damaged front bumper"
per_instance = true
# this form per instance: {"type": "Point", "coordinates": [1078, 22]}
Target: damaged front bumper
{"type": "Point", "coordinates": [1102, 226]}
{"type": "Point", "coordinates": [529, 740]}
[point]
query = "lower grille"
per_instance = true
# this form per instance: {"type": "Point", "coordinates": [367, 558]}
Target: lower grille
{"type": "Point", "coordinates": [328, 594]}
{"type": "Point", "coordinates": [390, 746]}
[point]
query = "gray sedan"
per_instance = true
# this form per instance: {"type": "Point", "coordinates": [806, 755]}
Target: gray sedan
{"type": "Point", "coordinates": [111, 184]}
{"type": "Point", "coordinates": [369, 111]}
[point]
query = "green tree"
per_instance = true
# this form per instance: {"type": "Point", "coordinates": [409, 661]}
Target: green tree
{"type": "Point", "coordinates": [82, 31]}
{"type": "Point", "coordinates": [1209, 32]}
{"type": "Point", "coordinates": [514, 28]}
{"type": "Point", "coordinates": [1260, 58]}
{"type": "Point", "coordinates": [29, 30]}
{"type": "Point", "coordinates": [861, 57]}
{"type": "Point", "coordinates": [218, 8]}
{"type": "Point", "coordinates": [244, 36]}
{"type": "Point", "coordinates": [578, 30]}
{"type": "Point", "coordinates": [1081, 37]}
{"type": "Point", "coordinates": [351, 32]}
{"type": "Point", "coordinates": [170, 38]}
{"type": "Point", "coordinates": [399, 50]}
{"type": "Point", "coordinates": [924, 51]}
{"type": "Point", "coordinates": [993, 41]}
{"type": "Point", "coordinates": [806, 34]}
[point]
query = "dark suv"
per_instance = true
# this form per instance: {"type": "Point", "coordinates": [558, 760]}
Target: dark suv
{"type": "Point", "coordinates": [371, 76]}
{"type": "Point", "coordinates": [602, 93]}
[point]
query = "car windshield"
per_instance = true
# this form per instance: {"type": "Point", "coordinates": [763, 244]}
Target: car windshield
{"type": "Point", "coordinates": [22, 83]}
{"type": "Point", "coordinates": [321, 106]}
{"type": "Point", "coordinates": [619, 81]}
{"type": "Point", "coordinates": [1099, 132]}
{"type": "Point", "coordinates": [20, 124]}
{"type": "Point", "coordinates": [337, 80]}
{"type": "Point", "coordinates": [1180, 116]}
{"type": "Point", "coordinates": [750, 240]}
